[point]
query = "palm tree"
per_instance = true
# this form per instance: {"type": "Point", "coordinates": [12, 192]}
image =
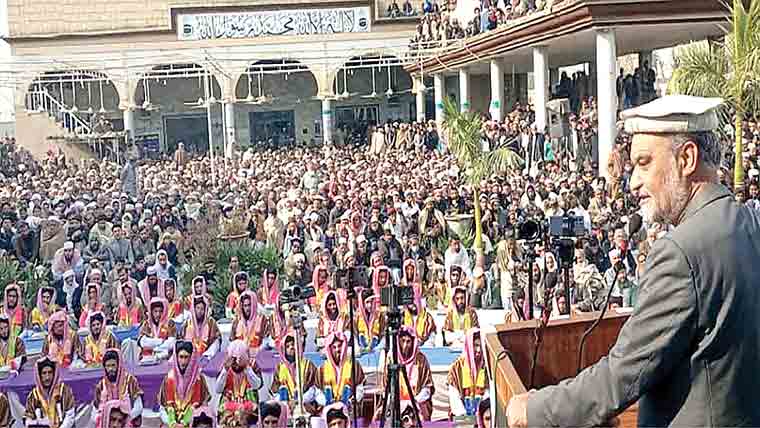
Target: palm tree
{"type": "Point", "coordinates": [729, 69]}
{"type": "Point", "coordinates": [464, 132]}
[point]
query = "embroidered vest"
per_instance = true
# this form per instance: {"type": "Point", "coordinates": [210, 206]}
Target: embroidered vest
{"type": "Point", "coordinates": [129, 317]}
{"type": "Point", "coordinates": [181, 408]}
{"type": "Point", "coordinates": [470, 390]}
{"type": "Point", "coordinates": [330, 378]}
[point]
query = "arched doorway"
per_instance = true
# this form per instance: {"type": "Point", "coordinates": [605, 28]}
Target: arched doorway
{"type": "Point", "coordinates": [372, 90]}
{"type": "Point", "coordinates": [171, 108]}
{"type": "Point", "coordinates": [276, 98]}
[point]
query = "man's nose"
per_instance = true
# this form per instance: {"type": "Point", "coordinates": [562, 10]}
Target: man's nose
{"type": "Point", "coordinates": [635, 181]}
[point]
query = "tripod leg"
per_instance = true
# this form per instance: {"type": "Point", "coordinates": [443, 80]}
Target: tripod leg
{"type": "Point", "coordinates": [415, 408]}
{"type": "Point", "coordinates": [388, 383]}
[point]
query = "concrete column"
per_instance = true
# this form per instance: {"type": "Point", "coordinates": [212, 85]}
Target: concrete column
{"type": "Point", "coordinates": [497, 90]}
{"type": "Point", "coordinates": [327, 121]}
{"type": "Point", "coordinates": [420, 98]}
{"type": "Point", "coordinates": [229, 124]}
{"type": "Point", "coordinates": [464, 89]}
{"type": "Point", "coordinates": [129, 122]}
{"type": "Point", "coordinates": [540, 86]}
{"type": "Point", "coordinates": [439, 87]}
{"type": "Point", "coordinates": [606, 67]}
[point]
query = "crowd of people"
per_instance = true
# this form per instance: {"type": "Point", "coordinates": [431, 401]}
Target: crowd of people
{"type": "Point", "coordinates": [439, 24]}
{"type": "Point", "coordinates": [114, 244]}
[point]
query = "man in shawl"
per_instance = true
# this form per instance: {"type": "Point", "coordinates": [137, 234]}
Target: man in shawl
{"type": "Point", "coordinates": [51, 402]}
{"type": "Point", "coordinates": [273, 414]}
{"type": "Point", "coordinates": [269, 291]}
{"type": "Point", "coordinates": [66, 259]}
{"type": "Point", "coordinates": [61, 344]}
{"type": "Point", "coordinates": [240, 284]}
{"type": "Point", "coordinates": [164, 269]}
{"type": "Point", "coordinates": [170, 292]}
{"type": "Point", "coordinates": [332, 320]}
{"type": "Point", "coordinates": [238, 384]}
{"type": "Point", "coordinates": [199, 289]}
{"type": "Point", "coordinates": [468, 380]}
{"type": "Point", "coordinates": [183, 389]}
{"type": "Point", "coordinates": [115, 414]}
{"type": "Point", "coordinates": [484, 413]}
{"type": "Point", "coordinates": [12, 348]}
{"type": "Point", "coordinates": [99, 340]}
{"type": "Point", "coordinates": [130, 311]}
{"type": "Point", "coordinates": [335, 373]}
{"type": "Point", "coordinates": [369, 323]}
{"type": "Point", "coordinates": [72, 292]}
{"type": "Point", "coordinates": [460, 317]}
{"type": "Point", "coordinates": [14, 309]}
{"type": "Point", "coordinates": [158, 333]}
{"type": "Point", "coordinates": [45, 307]}
{"type": "Point", "coordinates": [417, 371]}
{"type": "Point", "coordinates": [151, 286]}
{"type": "Point", "coordinates": [419, 319]}
{"type": "Point", "coordinates": [284, 381]}
{"type": "Point", "coordinates": [249, 325]}
{"type": "Point", "coordinates": [320, 281]}
{"type": "Point", "coordinates": [336, 416]}
{"type": "Point", "coordinates": [117, 384]}
{"type": "Point", "coordinates": [431, 222]}
{"type": "Point", "coordinates": [92, 304]}
{"type": "Point", "coordinates": [202, 330]}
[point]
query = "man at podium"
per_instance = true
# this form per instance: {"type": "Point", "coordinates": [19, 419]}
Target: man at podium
{"type": "Point", "coordinates": [688, 352]}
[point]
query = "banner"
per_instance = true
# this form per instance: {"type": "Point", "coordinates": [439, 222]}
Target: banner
{"type": "Point", "coordinates": [295, 22]}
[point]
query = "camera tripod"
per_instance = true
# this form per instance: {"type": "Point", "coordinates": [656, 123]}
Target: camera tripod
{"type": "Point", "coordinates": [393, 381]}
{"type": "Point", "coordinates": [294, 313]}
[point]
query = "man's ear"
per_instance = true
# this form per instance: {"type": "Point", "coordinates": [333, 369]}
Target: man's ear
{"type": "Point", "coordinates": [688, 158]}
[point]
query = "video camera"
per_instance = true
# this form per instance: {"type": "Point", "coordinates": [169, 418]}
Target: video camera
{"type": "Point", "coordinates": [297, 293]}
{"type": "Point", "coordinates": [349, 278]}
{"type": "Point", "coordinates": [394, 297]}
{"type": "Point", "coordinates": [566, 226]}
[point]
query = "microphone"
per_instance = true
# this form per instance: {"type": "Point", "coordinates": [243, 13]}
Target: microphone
{"type": "Point", "coordinates": [634, 224]}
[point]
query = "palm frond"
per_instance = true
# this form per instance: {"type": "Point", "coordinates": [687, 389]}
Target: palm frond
{"type": "Point", "coordinates": [501, 160]}
{"type": "Point", "coordinates": [463, 132]}
{"type": "Point", "coordinates": [702, 71]}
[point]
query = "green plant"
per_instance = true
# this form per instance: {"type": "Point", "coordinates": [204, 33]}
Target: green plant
{"type": "Point", "coordinates": [464, 133]}
{"type": "Point", "coordinates": [31, 277]}
{"type": "Point", "coordinates": [729, 69]}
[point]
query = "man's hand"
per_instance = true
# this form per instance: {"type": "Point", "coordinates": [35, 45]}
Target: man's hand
{"type": "Point", "coordinates": [517, 411]}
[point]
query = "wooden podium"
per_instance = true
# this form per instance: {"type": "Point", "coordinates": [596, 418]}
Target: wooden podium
{"type": "Point", "coordinates": [510, 352]}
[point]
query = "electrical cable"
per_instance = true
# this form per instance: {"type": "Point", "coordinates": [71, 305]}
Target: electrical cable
{"type": "Point", "coordinates": [596, 322]}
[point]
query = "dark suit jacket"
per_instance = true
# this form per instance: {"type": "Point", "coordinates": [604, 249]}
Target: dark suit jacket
{"type": "Point", "coordinates": [690, 352]}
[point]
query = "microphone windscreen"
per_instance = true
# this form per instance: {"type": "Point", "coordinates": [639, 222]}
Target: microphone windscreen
{"type": "Point", "coordinates": [634, 224]}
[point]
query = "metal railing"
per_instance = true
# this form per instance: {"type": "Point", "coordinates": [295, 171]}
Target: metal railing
{"type": "Point", "coordinates": [43, 102]}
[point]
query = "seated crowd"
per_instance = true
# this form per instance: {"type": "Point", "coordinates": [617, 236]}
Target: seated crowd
{"type": "Point", "coordinates": [114, 248]}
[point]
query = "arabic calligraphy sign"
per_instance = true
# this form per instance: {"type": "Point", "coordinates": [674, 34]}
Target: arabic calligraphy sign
{"type": "Point", "coordinates": [296, 22]}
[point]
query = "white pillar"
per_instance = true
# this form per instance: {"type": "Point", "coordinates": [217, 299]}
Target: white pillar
{"type": "Point", "coordinates": [229, 124]}
{"type": "Point", "coordinates": [540, 86]}
{"type": "Point", "coordinates": [420, 98]}
{"type": "Point", "coordinates": [129, 122]}
{"type": "Point", "coordinates": [464, 89]}
{"type": "Point", "coordinates": [327, 121]}
{"type": "Point", "coordinates": [497, 90]}
{"type": "Point", "coordinates": [439, 87]}
{"type": "Point", "coordinates": [606, 65]}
